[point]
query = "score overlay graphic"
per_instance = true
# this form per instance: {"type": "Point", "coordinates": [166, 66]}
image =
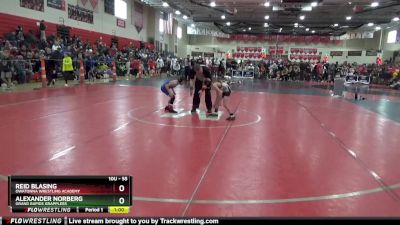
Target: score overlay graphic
{"type": "Point", "coordinates": [70, 194]}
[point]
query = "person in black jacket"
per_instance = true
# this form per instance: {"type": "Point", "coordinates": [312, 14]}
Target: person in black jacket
{"type": "Point", "coordinates": [42, 28]}
{"type": "Point", "coordinates": [198, 83]}
{"type": "Point", "coordinates": [51, 72]}
{"type": "Point", "coordinates": [5, 71]}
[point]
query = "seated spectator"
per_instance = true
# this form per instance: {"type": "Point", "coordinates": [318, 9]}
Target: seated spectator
{"type": "Point", "coordinates": [6, 71]}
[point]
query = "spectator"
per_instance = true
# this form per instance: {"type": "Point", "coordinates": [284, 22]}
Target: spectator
{"type": "Point", "coordinates": [67, 68]}
{"type": "Point", "coordinates": [160, 65]}
{"type": "Point", "coordinates": [6, 69]}
{"type": "Point", "coordinates": [176, 68]}
{"type": "Point", "coordinates": [20, 36]}
{"type": "Point", "coordinates": [42, 28]}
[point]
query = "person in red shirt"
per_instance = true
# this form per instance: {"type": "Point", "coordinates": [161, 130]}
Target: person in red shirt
{"type": "Point", "coordinates": [135, 67]}
{"type": "Point", "coordinates": [319, 70]}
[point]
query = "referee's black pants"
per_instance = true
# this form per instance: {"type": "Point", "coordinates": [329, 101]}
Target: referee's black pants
{"type": "Point", "coordinates": [196, 97]}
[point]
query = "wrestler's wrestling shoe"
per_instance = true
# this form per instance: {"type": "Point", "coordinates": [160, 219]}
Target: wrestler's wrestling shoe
{"type": "Point", "coordinates": [210, 114]}
{"type": "Point", "coordinates": [171, 110]}
{"type": "Point", "coordinates": [231, 117]}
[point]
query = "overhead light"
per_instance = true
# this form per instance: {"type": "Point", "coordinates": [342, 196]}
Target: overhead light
{"type": "Point", "coordinates": [302, 17]}
{"type": "Point", "coordinates": [244, 30]}
{"type": "Point", "coordinates": [350, 3]}
{"type": "Point", "coordinates": [370, 24]}
{"type": "Point", "coordinates": [348, 18]}
{"type": "Point", "coordinates": [165, 4]}
{"type": "Point", "coordinates": [212, 4]}
{"type": "Point", "coordinates": [177, 12]}
{"type": "Point", "coordinates": [307, 29]}
{"type": "Point", "coordinates": [266, 4]}
{"type": "Point", "coordinates": [306, 8]}
{"type": "Point", "coordinates": [396, 19]}
{"type": "Point", "coordinates": [266, 25]}
{"type": "Point", "coordinates": [249, 28]}
{"type": "Point", "coordinates": [185, 17]}
{"type": "Point", "coordinates": [275, 8]}
{"type": "Point", "coordinates": [228, 23]}
{"type": "Point", "coordinates": [313, 4]}
{"type": "Point", "coordinates": [296, 25]}
{"type": "Point", "coordinates": [335, 25]}
{"type": "Point", "coordinates": [280, 29]}
{"type": "Point", "coordinates": [192, 25]}
{"type": "Point", "coordinates": [223, 17]}
{"type": "Point", "coordinates": [313, 31]}
{"type": "Point", "coordinates": [266, 17]}
{"type": "Point", "coordinates": [375, 4]}
{"type": "Point", "coordinates": [378, 28]}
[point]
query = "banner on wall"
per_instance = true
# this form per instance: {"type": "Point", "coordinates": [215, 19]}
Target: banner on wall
{"type": "Point", "coordinates": [273, 50]}
{"type": "Point", "coordinates": [79, 14]}
{"type": "Point", "coordinates": [57, 4]}
{"type": "Point", "coordinates": [371, 53]}
{"type": "Point", "coordinates": [137, 16]}
{"type": "Point", "coordinates": [304, 54]}
{"type": "Point", "coordinates": [336, 53]}
{"type": "Point", "coordinates": [280, 38]}
{"type": "Point", "coordinates": [91, 5]}
{"type": "Point", "coordinates": [357, 35]}
{"type": "Point", "coordinates": [108, 6]}
{"type": "Point", "coordinates": [37, 5]}
{"type": "Point", "coordinates": [354, 53]}
{"type": "Point", "coordinates": [206, 32]}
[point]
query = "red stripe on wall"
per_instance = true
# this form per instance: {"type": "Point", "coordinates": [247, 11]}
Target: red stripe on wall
{"type": "Point", "coordinates": [10, 22]}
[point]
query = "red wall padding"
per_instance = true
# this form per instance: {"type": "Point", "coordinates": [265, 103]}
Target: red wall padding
{"type": "Point", "coordinates": [10, 22]}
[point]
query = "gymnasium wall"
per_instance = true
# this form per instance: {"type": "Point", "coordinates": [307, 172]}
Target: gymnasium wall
{"type": "Point", "coordinates": [183, 42]}
{"type": "Point", "coordinates": [105, 25]}
{"type": "Point", "coordinates": [207, 43]}
{"type": "Point", "coordinates": [171, 40]}
{"type": "Point", "coordinates": [390, 48]}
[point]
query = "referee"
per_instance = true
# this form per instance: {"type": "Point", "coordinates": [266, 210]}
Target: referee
{"type": "Point", "coordinates": [198, 83]}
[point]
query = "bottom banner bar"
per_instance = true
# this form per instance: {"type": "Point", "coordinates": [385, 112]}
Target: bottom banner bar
{"type": "Point", "coordinates": [176, 220]}
{"type": "Point", "coordinates": [66, 209]}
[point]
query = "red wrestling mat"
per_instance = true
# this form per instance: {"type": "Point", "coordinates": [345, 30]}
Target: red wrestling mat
{"type": "Point", "coordinates": [284, 155]}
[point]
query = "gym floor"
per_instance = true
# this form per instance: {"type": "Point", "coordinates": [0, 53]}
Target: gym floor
{"type": "Point", "coordinates": [292, 151]}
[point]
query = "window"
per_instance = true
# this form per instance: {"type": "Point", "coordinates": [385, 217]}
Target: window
{"type": "Point", "coordinates": [161, 25]}
{"type": "Point", "coordinates": [179, 32]}
{"type": "Point", "coordinates": [392, 36]}
{"type": "Point", "coordinates": [121, 9]}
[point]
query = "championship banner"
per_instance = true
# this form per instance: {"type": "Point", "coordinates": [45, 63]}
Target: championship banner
{"type": "Point", "coordinates": [205, 32]}
{"type": "Point", "coordinates": [37, 5]}
{"type": "Point", "coordinates": [91, 5]}
{"type": "Point", "coordinates": [57, 4]}
{"type": "Point", "coordinates": [80, 14]}
{"type": "Point", "coordinates": [137, 16]}
{"type": "Point", "coordinates": [280, 38]}
{"type": "Point", "coordinates": [276, 50]}
{"type": "Point", "coordinates": [109, 7]}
